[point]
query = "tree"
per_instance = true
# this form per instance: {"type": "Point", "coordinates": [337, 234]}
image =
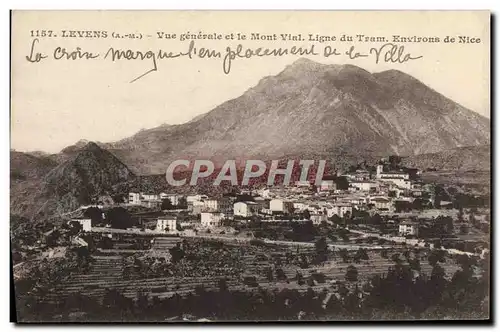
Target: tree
{"type": "Point", "coordinates": [352, 273]}
{"type": "Point", "coordinates": [395, 258]}
{"type": "Point", "coordinates": [437, 244]}
{"type": "Point", "coordinates": [472, 219]}
{"type": "Point", "coordinates": [461, 214]}
{"type": "Point", "coordinates": [420, 204]}
{"type": "Point", "coordinates": [269, 274]}
{"type": "Point", "coordinates": [177, 253]}
{"type": "Point", "coordinates": [52, 238]}
{"type": "Point", "coordinates": [464, 229]}
{"type": "Point", "coordinates": [384, 253]}
{"type": "Point", "coordinates": [402, 206]}
{"type": "Point", "coordinates": [303, 231]}
{"type": "Point", "coordinates": [84, 197]}
{"type": "Point", "coordinates": [166, 204]}
{"type": "Point", "coordinates": [361, 254]}
{"type": "Point", "coordinates": [119, 218]}
{"type": "Point", "coordinates": [105, 243]}
{"type": "Point", "coordinates": [394, 161]}
{"type": "Point", "coordinates": [74, 227]}
{"type": "Point", "coordinates": [280, 274]}
{"type": "Point", "coordinates": [336, 220]}
{"type": "Point", "coordinates": [376, 220]}
{"type": "Point", "coordinates": [342, 183]}
{"type": "Point", "coordinates": [118, 198]}
{"type": "Point", "coordinates": [344, 255]}
{"type": "Point", "coordinates": [300, 278]}
{"type": "Point", "coordinates": [439, 195]}
{"type": "Point", "coordinates": [321, 250]}
{"type": "Point", "coordinates": [222, 285]}
{"type": "Point", "coordinates": [436, 256]}
{"type": "Point", "coordinates": [415, 264]}
{"type": "Point", "coordinates": [94, 214]}
{"type": "Point", "coordinates": [182, 203]}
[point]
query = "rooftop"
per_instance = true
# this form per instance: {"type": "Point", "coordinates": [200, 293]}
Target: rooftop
{"type": "Point", "coordinates": [394, 172]}
{"type": "Point", "coordinates": [380, 199]}
{"type": "Point", "coordinates": [411, 223]}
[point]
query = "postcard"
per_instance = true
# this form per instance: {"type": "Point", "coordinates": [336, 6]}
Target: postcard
{"type": "Point", "coordinates": [242, 166]}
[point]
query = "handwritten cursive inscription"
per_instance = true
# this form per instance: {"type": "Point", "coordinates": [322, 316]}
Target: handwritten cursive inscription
{"type": "Point", "coordinates": [35, 56]}
{"type": "Point", "coordinates": [241, 52]}
{"type": "Point", "coordinates": [389, 52]}
{"type": "Point", "coordinates": [394, 53]}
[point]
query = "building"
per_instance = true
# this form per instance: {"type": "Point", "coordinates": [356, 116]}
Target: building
{"type": "Point", "coordinates": [355, 200]}
{"type": "Point", "coordinates": [148, 200]}
{"type": "Point", "coordinates": [224, 205]}
{"type": "Point", "coordinates": [262, 203]}
{"type": "Point", "coordinates": [150, 197]}
{"type": "Point", "coordinates": [151, 203]}
{"type": "Point", "coordinates": [134, 198]}
{"type": "Point", "coordinates": [85, 223]}
{"type": "Point", "coordinates": [339, 209]}
{"type": "Point", "coordinates": [400, 182]}
{"type": "Point", "coordinates": [211, 219]}
{"type": "Point", "coordinates": [381, 203]}
{"type": "Point", "coordinates": [361, 175]}
{"type": "Point", "coordinates": [327, 185]}
{"type": "Point", "coordinates": [211, 205]}
{"type": "Point", "coordinates": [299, 206]}
{"type": "Point", "coordinates": [281, 206]}
{"type": "Point", "coordinates": [196, 207]}
{"type": "Point", "coordinates": [361, 185]}
{"type": "Point", "coordinates": [318, 218]}
{"type": "Point", "coordinates": [408, 228]}
{"type": "Point", "coordinates": [305, 184]}
{"type": "Point", "coordinates": [245, 209]}
{"type": "Point", "coordinates": [392, 174]}
{"type": "Point", "coordinates": [194, 198]}
{"type": "Point", "coordinates": [265, 193]}
{"type": "Point", "coordinates": [174, 199]}
{"type": "Point", "coordinates": [166, 224]}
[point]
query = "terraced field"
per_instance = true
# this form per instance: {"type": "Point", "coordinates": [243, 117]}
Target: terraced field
{"type": "Point", "coordinates": [108, 271]}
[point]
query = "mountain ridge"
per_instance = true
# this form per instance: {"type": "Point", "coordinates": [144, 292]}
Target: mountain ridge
{"type": "Point", "coordinates": [311, 107]}
{"type": "Point", "coordinates": [79, 180]}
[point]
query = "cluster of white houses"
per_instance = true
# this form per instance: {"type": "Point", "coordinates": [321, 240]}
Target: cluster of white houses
{"type": "Point", "coordinates": [152, 200]}
{"type": "Point", "coordinates": [373, 193]}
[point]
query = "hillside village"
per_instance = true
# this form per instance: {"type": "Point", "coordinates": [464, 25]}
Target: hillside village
{"type": "Point", "coordinates": [398, 197]}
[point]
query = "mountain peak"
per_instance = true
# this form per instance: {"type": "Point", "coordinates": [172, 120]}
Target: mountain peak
{"type": "Point", "coordinates": [92, 146]}
{"type": "Point", "coordinates": [317, 109]}
{"type": "Point", "coordinates": [394, 76]}
{"type": "Point", "coordinates": [302, 65]}
{"type": "Point", "coordinates": [304, 61]}
{"type": "Point", "coordinates": [80, 145]}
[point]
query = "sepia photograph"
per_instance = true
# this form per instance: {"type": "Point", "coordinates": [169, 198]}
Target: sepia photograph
{"type": "Point", "coordinates": [260, 166]}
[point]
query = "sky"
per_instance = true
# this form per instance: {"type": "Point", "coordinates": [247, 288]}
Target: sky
{"type": "Point", "coordinates": [55, 103]}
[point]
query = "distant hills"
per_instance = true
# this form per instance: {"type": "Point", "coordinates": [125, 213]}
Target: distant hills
{"type": "Point", "coordinates": [81, 176]}
{"type": "Point", "coordinates": [459, 159]}
{"type": "Point", "coordinates": [341, 113]}
{"type": "Point", "coordinates": [26, 166]}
